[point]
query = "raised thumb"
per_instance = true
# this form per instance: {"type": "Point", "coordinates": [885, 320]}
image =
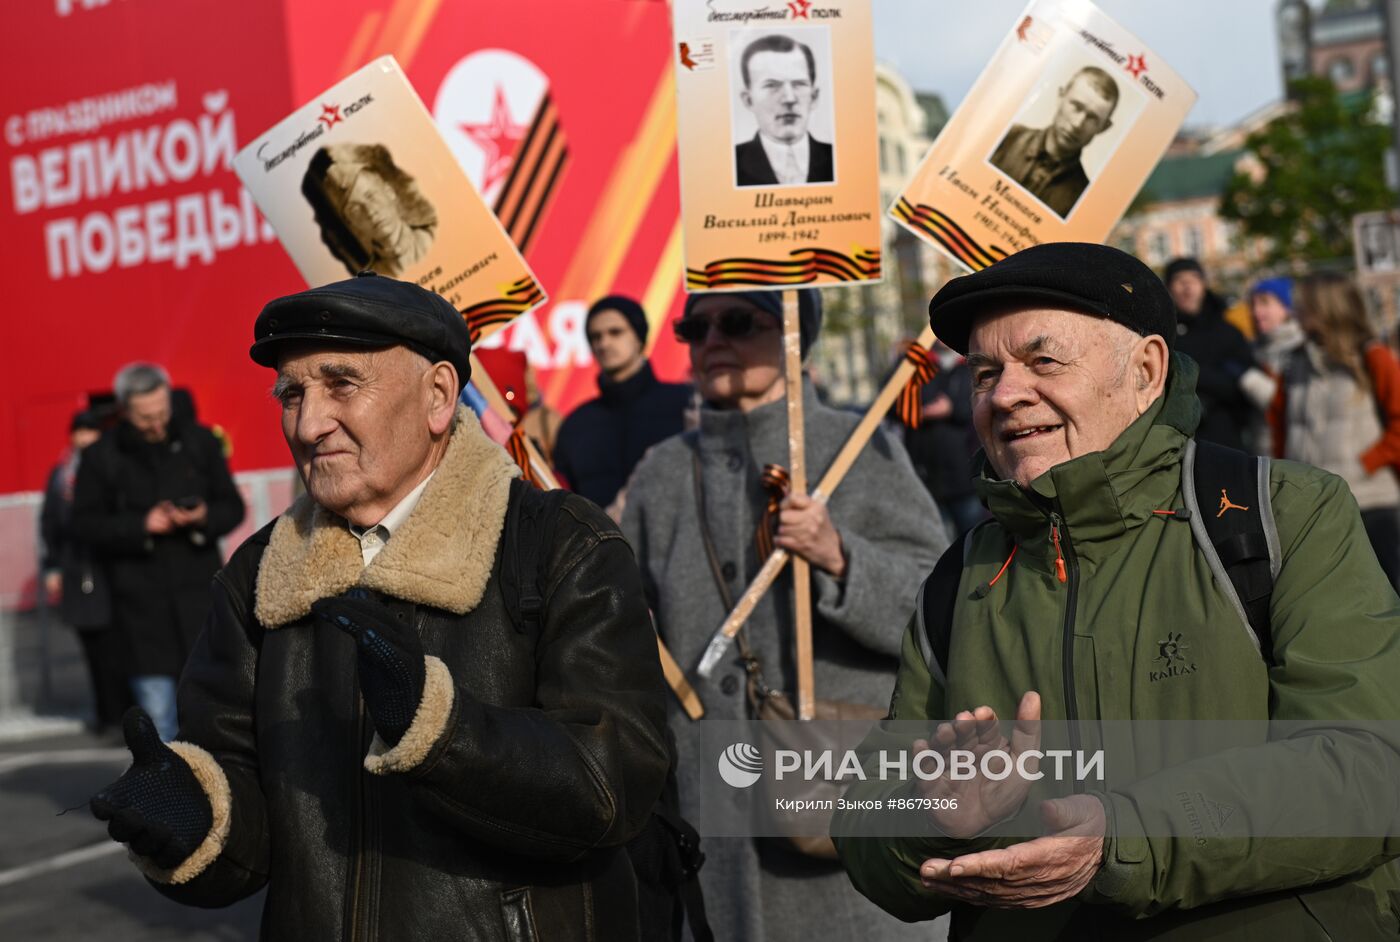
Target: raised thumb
{"type": "Point", "coordinates": [142, 738]}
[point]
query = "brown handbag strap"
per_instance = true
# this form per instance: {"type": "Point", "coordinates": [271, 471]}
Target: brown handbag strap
{"type": "Point", "coordinates": [752, 664]}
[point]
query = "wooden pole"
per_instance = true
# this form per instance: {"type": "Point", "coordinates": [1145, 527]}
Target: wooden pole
{"type": "Point", "coordinates": [831, 480]}
{"type": "Point", "coordinates": [689, 699]}
{"type": "Point", "coordinates": [675, 677]}
{"type": "Point", "coordinates": [797, 486]}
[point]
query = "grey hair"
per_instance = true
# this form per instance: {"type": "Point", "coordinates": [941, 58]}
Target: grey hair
{"type": "Point", "coordinates": [137, 379]}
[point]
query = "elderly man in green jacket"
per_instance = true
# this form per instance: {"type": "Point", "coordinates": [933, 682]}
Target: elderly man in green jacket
{"type": "Point", "coordinates": [1060, 614]}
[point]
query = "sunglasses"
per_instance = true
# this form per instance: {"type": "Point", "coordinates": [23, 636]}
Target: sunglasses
{"type": "Point", "coordinates": [734, 324]}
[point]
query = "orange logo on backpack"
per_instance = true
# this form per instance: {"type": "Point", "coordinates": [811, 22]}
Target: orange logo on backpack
{"type": "Point", "coordinates": [1226, 504]}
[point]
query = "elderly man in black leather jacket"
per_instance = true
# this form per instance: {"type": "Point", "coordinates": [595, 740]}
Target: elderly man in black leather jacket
{"type": "Point", "coordinates": [365, 729]}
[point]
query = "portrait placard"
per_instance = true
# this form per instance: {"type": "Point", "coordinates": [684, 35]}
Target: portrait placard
{"type": "Point", "coordinates": [1053, 142]}
{"type": "Point", "coordinates": [1376, 237]}
{"type": "Point", "coordinates": [778, 172]}
{"type": "Point", "coordinates": [359, 178]}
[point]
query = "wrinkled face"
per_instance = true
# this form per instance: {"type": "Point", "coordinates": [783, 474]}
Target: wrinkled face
{"type": "Point", "coordinates": [1083, 114]}
{"type": "Point", "coordinates": [730, 369]}
{"type": "Point", "coordinates": [149, 413]}
{"type": "Point", "coordinates": [780, 94]}
{"type": "Point", "coordinates": [615, 345]}
{"type": "Point", "coordinates": [1269, 312]}
{"type": "Point", "coordinates": [1047, 386]}
{"type": "Point", "coordinates": [1188, 291]}
{"type": "Point", "coordinates": [371, 210]}
{"type": "Point", "coordinates": [356, 422]}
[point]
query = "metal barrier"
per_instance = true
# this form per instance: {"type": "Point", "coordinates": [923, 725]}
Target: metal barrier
{"type": "Point", "coordinates": [43, 680]}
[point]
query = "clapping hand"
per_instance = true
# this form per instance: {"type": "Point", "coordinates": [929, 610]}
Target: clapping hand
{"type": "Point", "coordinates": [979, 802]}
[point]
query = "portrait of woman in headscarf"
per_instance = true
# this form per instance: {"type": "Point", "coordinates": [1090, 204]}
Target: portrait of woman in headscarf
{"type": "Point", "coordinates": [372, 214]}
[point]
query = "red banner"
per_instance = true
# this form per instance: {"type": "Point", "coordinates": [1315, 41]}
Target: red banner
{"type": "Point", "coordinates": [123, 220]}
{"type": "Point", "coordinates": [134, 240]}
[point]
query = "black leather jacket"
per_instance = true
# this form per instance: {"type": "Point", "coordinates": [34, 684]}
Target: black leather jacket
{"type": "Point", "coordinates": [550, 758]}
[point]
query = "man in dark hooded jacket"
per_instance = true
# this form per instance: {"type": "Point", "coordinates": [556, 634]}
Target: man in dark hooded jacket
{"type": "Point", "coordinates": [1219, 349]}
{"type": "Point", "coordinates": [602, 440]}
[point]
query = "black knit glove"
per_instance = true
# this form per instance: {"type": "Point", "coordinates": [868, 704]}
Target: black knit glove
{"type": "Point", "coordinates": [390, 657]}
{"type": "Point", "coordinates": [157, 807]}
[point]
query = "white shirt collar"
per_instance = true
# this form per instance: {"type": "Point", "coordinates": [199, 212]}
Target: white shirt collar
{"type": "Point", "coordinates": [372, 539]}
{"type": "Point", "coordinates": [778, 154]}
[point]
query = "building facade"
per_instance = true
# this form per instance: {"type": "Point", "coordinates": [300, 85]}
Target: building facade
{"type": "Point", "coordinates": [1347, 45]}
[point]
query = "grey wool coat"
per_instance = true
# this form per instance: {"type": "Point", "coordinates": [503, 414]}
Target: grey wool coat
{"type": "Point", "coordinates": [892, 535]}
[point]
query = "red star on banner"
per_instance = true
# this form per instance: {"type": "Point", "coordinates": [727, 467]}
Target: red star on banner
{"type": "Point", "coordinates": [331, 115]}
{"type": "Point", "coordinates": [799, 9]}
{"type": "Point", "coordinates": [498, 139]}
{"type": "Point", "coordinates": [1137, 65]}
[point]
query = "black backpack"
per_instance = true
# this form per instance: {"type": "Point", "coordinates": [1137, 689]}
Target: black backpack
{"type": "Point", "coordinates": [666, 855]}
{"type": "Point", "coordinates": [1241, 548]}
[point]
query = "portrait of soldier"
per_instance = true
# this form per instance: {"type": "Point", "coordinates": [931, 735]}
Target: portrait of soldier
{"type": "Point", "coordinates": [1046, 160]}
{"type": "Point", "coordinates": [372, 214]}
{"type": "Point", "coordinates": [780, 88]}
{"type": "Point", "coordinates": [1377, 246]}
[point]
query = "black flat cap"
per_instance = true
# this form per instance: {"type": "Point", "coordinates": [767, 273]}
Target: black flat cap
{"type": "Point", "coordinates": [1078, 276]}
{"type": "Point", "coordinates": [368, 310]}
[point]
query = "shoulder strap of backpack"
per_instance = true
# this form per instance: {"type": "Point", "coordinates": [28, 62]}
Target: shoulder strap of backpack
{"type": "Point", "coordinates": [689, 858]}
{"type": "Point", "coordinates": [1232, 519]}
{"type": "Point", "coordinates": [936, 603]}
{"type": "Point", "coordinates": [528, 531]}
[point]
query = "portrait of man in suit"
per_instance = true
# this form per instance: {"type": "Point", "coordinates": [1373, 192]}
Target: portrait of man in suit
{"type": "Point", "coordinates": [1046, 160]}
{"type": "Point", "coordinates": [780, 89]}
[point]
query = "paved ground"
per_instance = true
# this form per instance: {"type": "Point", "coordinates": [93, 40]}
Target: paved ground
{"type": "Point", "coordinates": [60, 877]}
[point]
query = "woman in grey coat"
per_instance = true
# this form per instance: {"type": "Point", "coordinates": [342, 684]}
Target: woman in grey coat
{"type": "Point", "coordinates": [869, 548]}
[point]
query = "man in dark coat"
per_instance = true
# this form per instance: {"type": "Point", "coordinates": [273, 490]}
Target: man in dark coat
{"type": "Point", "coordinates": [365, 728]}
{"type": "Point", "coordinates": [1225, 359]}
{"type": "Point", "coordinates": [780, 88]}
{"type": "Point", "coordinates": [602, 440]}
{"type": "Point", "coordinates": [152, 498]}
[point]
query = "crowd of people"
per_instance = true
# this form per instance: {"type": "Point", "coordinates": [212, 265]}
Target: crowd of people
{"type": "Point", "coordinates": [425, 701]}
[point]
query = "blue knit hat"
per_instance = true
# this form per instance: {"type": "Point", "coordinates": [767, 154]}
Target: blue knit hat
{"type": "Point", "coordinates": [1281, 288]}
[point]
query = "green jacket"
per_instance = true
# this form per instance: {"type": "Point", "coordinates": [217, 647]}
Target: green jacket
{"type": "Point", "coordinates": [1133, 577]}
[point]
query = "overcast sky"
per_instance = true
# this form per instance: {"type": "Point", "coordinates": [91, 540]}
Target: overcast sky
{"type": "Point", "coordinates": [1226, 49]}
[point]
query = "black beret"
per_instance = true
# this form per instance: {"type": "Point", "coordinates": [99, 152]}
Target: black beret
{"type": "Point", "coordinates": [368, 310]}
{"type": "Point", "coordinates": [1078, 276]}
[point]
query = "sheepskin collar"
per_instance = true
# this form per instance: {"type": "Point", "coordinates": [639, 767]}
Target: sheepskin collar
{"type": "Point", "coordinates": [441, 556]}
